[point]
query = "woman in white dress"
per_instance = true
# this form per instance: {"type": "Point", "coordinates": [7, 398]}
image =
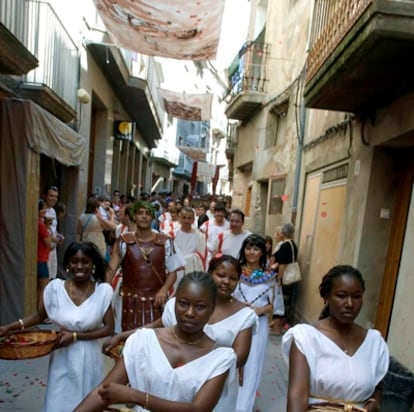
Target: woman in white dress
{"type": "Point", "coordinates": [81, 308]}
{"type": "Point", "coordinates": [172, 369]}
{"type": "Point", "coordinates": [335, 362]}
{"type": "Point", "coordinates": [231, 324]}
{"type": "Point", "coordinates": [91, 225]}
{"type": "Point", "coordinates": [255, 289]}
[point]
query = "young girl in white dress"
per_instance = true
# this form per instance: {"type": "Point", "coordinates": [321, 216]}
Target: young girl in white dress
{"type": "Point", "coordinates": [81, 308]}
{"type": "Point", "coordinates": [335, 362]}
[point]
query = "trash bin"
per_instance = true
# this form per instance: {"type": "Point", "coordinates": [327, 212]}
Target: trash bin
{"type": "Point", "coordinates": [398, 390]}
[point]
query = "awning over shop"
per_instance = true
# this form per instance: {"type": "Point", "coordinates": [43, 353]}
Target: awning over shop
{"type": "Point", "coordinates": [187, 30]}
{"type": "Point", "coordinates": [45, 133]}
{"type": "Point", "coordinates": [195, 107]}
{"type": "Point", "coordinates": [26, 131]}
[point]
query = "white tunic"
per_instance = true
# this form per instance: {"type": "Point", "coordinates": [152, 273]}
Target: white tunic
{"type": "Point", "coordinates": [223, 332]}
{"type": "Point", "coordinates": [149, 370]}
{"type": "Point", "coordinates": [78, 368]}
{"type": "Point", "coordinates": [335, 374]}
{"type": "Point", "coordinates": [231, 243]}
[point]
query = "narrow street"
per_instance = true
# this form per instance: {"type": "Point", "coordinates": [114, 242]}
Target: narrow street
{"type": "Point", "coordinates": [23, 383]}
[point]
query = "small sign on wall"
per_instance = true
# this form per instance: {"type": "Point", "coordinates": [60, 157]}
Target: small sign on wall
{"type": "Point", "coordinates": [124, 130]}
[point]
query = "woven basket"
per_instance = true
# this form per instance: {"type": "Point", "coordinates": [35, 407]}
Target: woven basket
{"type": "Point", "coordinates": [116, 351]}
{"type": "Point", "coordinates": [28, 344]}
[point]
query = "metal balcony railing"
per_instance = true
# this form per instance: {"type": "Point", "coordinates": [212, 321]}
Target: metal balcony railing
{"type": "Point", "coordinates": [36, 25]}
{"type": "Point", "coordinates": [231, 142]}
{"type": "Point", "coordinates": [248, 71]}
{"type": "Point", "coordinates": [332, 20]}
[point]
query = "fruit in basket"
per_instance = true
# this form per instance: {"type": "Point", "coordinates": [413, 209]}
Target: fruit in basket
{"type": "Point", "coordinates": [28, 344]}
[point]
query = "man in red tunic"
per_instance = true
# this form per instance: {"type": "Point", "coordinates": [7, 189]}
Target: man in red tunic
{"type": "Point", "coordinates": [149, 263]}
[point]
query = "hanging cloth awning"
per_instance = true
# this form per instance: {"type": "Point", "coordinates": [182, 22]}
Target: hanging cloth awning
{"type": "Point", "coordinates": [184, 30]}
{"type": "Point", "coordinates": [195, 107]}
{"type": "Point", "coordinates": [43, 132]}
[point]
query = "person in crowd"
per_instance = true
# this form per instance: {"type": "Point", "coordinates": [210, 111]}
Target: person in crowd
{"type": "Point", "coordinates": [199, 211]}
{"type": "Point", "coordinates": [169, 227]}
{"type": "Point", "coordinates": [155, 225]}
{"type": "Point", "coordinates": [80, 307]}
{"type": "Point", "coordinates": [211, 212]}
{"type": "Point", "coordinates": [165, 217]}
{"type": "Point", "coordinates": [201, 220]}
{"type": "Point", "coordinates": [276, 325]}
{"type": "Point", "coordinates": [282, 257]}
{"type": "Point", "coordinates": [178, 368]}
{"type": "Point", "coordinates": [231, 324]}
{"type": "Point", "coordinates": [229, 242]}
{"type": "Point", "coordinates": [126, 225]}
{"type": "Point", "coordinates": [115, 201]}
{"type": "Point", "coordinates": [336, 364]}
{"type": "Point", "coordinates": [107, 217]}
{"type": "Point", "coordinates": [211, 229]}
{"type": "Point", "coordinates": [269, 248]}
{"type": "Point", "coordinates": [44, 245]}
{"type": "Point", "coordinates": [149, 262]}
{"type": "Point", "coordinates": [91, 225]}
{"type": "Point", "coordinates": [256, 289]}
{"type": "Point", "coordinates": [51, 196]}
{"type": "Point", "coordinates": [191, 242]}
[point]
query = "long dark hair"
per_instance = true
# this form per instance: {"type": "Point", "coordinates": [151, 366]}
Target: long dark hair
{"type": "Point", "coordinates": [254, 240]}
{"type": "Point", "coordinates": [326, 285]}
{"type": "Point", "coordinates": [91, 250]}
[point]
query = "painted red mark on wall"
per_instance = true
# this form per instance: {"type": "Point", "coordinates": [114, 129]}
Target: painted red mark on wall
{"type": "Point", "coordinates": [324, 214]}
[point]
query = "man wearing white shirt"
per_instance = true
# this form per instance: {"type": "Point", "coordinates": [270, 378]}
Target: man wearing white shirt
{"type": "Point", "coordinates": [230, 241]}
{"type": "Point", "coordinates": [212, 228]}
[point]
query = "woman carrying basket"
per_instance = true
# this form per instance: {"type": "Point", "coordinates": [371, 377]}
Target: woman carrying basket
{"type": "Point", "coordinates": [81, 307]}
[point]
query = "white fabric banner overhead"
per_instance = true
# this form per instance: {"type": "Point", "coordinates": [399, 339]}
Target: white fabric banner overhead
{"type": "Point", "coordinates": [185, 30]}
{"type": "Point", "coordinates": [205, 172]}
{"type": "Point", "coordinates": [184, 106]}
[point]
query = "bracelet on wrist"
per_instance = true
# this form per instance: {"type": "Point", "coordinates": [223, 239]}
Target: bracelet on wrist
{"type": "Point", "coordinates": [146, 404]}
{"type": "Point", "coordinates": [75, 336]}
{"type": "Point", "coordinates": [21, 323]}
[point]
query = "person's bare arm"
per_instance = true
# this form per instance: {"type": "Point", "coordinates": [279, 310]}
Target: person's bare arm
{"type": "Point", "coordinates": [374, 402]}
{"type": "Point", "coordinates": [241, 345]}
{"type": "Point", "coordinates": [161, 296]}
{"type": "Point", "coordinates": [114, 262]}
{"type": "Point", "coordinates": [298, 390]}
{"type": "Point", "coordinates": [123, 336]}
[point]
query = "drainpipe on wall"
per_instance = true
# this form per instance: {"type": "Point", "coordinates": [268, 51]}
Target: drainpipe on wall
{"type": "Point", "coordinates": [299, 150]}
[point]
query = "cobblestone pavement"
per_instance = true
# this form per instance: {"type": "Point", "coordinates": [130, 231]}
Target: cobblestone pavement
{"type": "Point", "coordinates": [23, 383]}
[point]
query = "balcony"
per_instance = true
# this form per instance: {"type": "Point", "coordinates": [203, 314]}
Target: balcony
{"type": "Point", "coordinates": [231, 142]}
{"type": "Point", "coordinates": [166, 154]}
{"type": "Point", "coordinates": [15, 59]}
{"type": "Point", "coordinates": [134, 78]}
{"type": "Point", "coordinates": [185, 166]}
{"type": "Point", "coordinates": [248, 81]}
{"type": "Point", "coordinates": [360, 57]}
{"type": "Point", "coordinates": [54, 82]}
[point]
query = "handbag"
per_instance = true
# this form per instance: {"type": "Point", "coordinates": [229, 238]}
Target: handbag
{"type": "Point", "coordinates": [292, 271]}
